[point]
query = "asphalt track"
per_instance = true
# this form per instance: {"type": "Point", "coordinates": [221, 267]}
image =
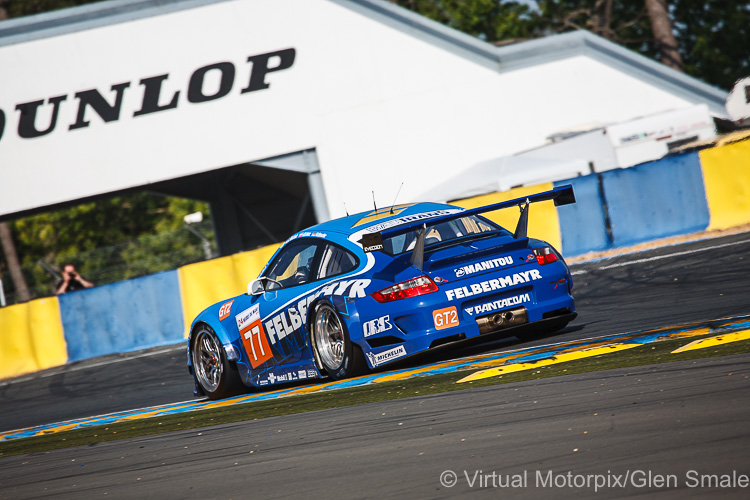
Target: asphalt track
{"type": "Point", "coordinates": [697, 281]}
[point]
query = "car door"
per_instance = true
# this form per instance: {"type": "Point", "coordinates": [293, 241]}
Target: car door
{"type": "Point", "coordinates": [282, 308]}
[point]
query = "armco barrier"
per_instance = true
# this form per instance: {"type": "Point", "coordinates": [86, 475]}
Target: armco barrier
{"type": "Point", "coordinates": [120, 317]}
{"type": "Point", "coordinates": [208, 282]}
{"type": "Point", "coordinates": [543, 217]}
{"type": "Point", "coordinates": [31, 337]}
{"type": "Point", "coordinates": [582, 224]}
{"type": "Point", "coordinates": [656, 199]}
{"type": "Point", "coordinates": [726, 174]}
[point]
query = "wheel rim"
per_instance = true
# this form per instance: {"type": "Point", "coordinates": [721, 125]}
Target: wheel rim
{"type": "Point", "coordinates": [329, 338]}
{"type": "Point", "coordinates": [207, 361]}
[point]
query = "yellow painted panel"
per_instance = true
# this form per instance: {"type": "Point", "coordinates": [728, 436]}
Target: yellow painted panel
{"type": "Point", "coordinates": [543, 221]}
{"type": "Point", "coordinates": [714, 341]}
{"type": "Point", "coordinates": [31, 337]}
{"type": "Point", "coordinates": [208, 282]}
{"type": "Point", "coordinates": [726, 175]}
{"type": "Point", "coordinates": [553, 360]}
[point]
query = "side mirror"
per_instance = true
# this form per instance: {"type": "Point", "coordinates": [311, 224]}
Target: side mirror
{"type": "Point", "coordinates": [256, 287]}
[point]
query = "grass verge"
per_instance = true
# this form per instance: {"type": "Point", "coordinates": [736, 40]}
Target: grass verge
{"type": "Point", "coordinates": [647, 354]}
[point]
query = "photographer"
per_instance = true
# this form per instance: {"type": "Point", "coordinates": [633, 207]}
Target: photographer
{"type": "Point", "coordinates": [71, 281]}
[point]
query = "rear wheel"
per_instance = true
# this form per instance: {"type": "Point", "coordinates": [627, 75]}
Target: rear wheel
{"type": "Point", "coordinates": [340, 357]}
{"type": "Point", "coordinates": [213, 372]}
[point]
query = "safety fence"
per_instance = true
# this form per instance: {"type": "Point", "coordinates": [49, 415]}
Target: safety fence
{"type": "Point", "coordinates": [679, 194]}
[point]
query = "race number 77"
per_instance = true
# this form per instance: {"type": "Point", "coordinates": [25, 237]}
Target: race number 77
{"type": "Point", "coordinates": [256, 344]}
{"type": "Point", "coordinates": [251, 335]}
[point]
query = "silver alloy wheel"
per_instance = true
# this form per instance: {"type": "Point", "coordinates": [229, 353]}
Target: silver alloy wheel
{"type": "Point", "coordinates": [329, 337]}
{"type": "Point", "coordinates": [207, 361]}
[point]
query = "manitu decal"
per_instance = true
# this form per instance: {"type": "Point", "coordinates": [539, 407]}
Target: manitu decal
{"type": "Point", "coordinates": [109, 108]}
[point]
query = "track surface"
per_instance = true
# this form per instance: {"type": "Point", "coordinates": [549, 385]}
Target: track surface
{"type": "Point", "coordinates": [698, 281]}
{"type": "Point", "coordinates": [665, 420]}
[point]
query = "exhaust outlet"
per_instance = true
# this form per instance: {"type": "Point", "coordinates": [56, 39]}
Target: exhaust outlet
{"type": "Point", "coordinates": [501, 320]}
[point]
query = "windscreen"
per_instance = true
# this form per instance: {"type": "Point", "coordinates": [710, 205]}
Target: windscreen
{"type": "Point", "coordinates": [441, 233]}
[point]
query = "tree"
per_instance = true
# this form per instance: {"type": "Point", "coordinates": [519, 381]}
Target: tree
{"type": "Point", "coordinates": [11, 257]}
{"type": "Point", "coordinates": [708, 37]}
{"type": "Point", "coordinates": [18, 8]}
{"type": "Point", "coordinates": [107, 240]}
{"type": "Point", "coordinates": [664, 38]}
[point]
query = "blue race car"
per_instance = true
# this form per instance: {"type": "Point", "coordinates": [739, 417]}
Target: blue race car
{"type": "Point", "coordinates": [354, 294]}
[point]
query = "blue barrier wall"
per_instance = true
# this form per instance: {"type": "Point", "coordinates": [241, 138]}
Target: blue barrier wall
{"type": "Point", "coordinates": [582, 224]}
{"type": "Point", "coordinates": [126, 316]}
{"type": "Point", "coordinates": [656, 199]}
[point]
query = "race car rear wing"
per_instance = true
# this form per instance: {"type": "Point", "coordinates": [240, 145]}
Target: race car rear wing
{"type": "Point", "coordinates": [562, 195]}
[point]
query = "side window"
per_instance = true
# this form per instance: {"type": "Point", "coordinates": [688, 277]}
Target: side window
{"type": "Point", "coordinates": [336, 261]}
{"type": "Point", "coordinates": [292, 266]}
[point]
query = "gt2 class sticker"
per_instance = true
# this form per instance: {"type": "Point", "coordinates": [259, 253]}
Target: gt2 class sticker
{"type": "Point", "coordinates": [498, 304]}
{"type": "Point", "coordinates": [225, 310]}
{"type": "Point", "coordinates": [445, 318]}
{"type": "Point", "coordinates": [292, 318]}
{"type": "Point", "coordinates": [253, 337]}
{"type": "Point", "coordinates": [378, 325]}
{"type": "Point", "coordinates": [485, 265]}
{"type": "Point", "coordinates": [493, 284]}
{"type": "Point", "coordinates": [385, 356]}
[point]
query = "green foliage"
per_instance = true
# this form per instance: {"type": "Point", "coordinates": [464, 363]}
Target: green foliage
{"type": "Point", "coordinates": [108, 240]}
{"type": "Point", "coordinates": [714, 39]}
{"type": "Point", "coordinates": [712, 35]}
{"type": "Point", "coordinates": [18, 8]}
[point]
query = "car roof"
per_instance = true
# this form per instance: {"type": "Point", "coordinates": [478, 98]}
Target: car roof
{"type": "Point", "coordinates": [355, 223]}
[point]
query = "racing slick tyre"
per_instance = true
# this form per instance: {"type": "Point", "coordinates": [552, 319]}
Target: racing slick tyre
{"type": "Point", "coordinates": [215, 375]}
{"type": "Point", "coordinates": [340, 357]}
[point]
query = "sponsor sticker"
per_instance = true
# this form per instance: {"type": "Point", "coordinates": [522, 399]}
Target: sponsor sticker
{"type": "Point", "coordinates": [254, 338]}
{"type": "Point", "coordinates": [493, 284]}
{"type": "Point", "coordinates": [372, 242]}
{"type": "Point", "coordinates": [225, 310]}
{"type": "Point", "coordinates": [385, 356]}
{"type": "Point", "coordinates": [292, 319]}
{"type": "Point", "coordinates": [498, 304]}
{"type": "Point", "coordinates": [376, 326]}
{"type": "Point", "coordinates": [445, 318]}
{"type": "Point", "coordinates": [484, 265]}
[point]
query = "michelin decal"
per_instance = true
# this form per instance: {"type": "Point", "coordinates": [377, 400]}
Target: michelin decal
{"type": "Point", "coordinates": [385, 356]}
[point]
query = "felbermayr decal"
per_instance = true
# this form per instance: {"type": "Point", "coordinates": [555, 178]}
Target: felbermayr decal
{"type": "Point", "coordinates": [498, 304]}
{"type": "Point", "coordinates": [385, 356]}
{"type": "Point", "coordinates": [293, 317]}
{"type": "Point", "coordinates": [493, 284]}
{"type": "Point", "coordinates": [109, 108]}
{"type": "Point", "coordinates": [485, 265]}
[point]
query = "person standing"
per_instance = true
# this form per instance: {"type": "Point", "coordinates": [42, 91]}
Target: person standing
{"type": "Point", "coordinates": [71, 281]}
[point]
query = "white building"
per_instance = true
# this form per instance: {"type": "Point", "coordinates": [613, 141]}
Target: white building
{"type": "Point", "coordinates": [284, 112]}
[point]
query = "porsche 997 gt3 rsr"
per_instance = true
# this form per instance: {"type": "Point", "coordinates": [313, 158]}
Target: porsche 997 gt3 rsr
{"type": "Point", "coordinates": [354, 294]}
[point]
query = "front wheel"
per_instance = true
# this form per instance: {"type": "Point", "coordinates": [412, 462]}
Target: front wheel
{"type": "Point", "coordinates": [213, 372]}
{"type": "Point", "coordinates": [340, 357]}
